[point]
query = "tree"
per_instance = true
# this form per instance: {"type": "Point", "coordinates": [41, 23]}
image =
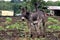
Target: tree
{"type": "Point", "coordinates": [41, 3]}
{"type": "Point", "coordinates": [5, 6]}
{"type": "Point", "coordinates": [50, 3]}
{"type": "Point", "coordinates": [57, 3]}
{"type": "Point", "coordinates": [30, 4]}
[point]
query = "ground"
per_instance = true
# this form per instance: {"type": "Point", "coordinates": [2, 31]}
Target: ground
{"type": "Point", "coordinates": [13, 25]}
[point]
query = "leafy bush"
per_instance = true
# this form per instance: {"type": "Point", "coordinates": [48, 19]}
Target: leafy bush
{"type": "Point", "coordinates": [50, 19]}
{"type": "Point", "coordinates": [20, 26]}
{"type": "Point", "coordinates": [53, 24]}
{"type": "Point", "coordinates": [1, 28]}
{"type": "Point", "coordinates": [8, 19]}
{"type": "Point", "coordinates": [55, 27]}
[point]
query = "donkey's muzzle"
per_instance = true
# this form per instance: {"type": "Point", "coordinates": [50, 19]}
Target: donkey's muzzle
{"type": "Point", "coordinates": [22, 18]}
{"type": "Point", "coordinates": [35, 22]}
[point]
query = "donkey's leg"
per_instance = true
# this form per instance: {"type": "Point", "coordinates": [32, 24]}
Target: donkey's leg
{"type": "Point", "coordinates": [39, 28]}
{"type": "Point", "coordinates": [44, 28]}
{"type": "Point", "coordinates": [32, 31]}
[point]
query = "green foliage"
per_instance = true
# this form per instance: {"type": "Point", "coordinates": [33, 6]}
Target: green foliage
{"type": "Point", "coordinates": [13, 26]}
{"type": "Point", "coordinates": [29, 4]}
{"type": "Point", "coordinates": [16, 7]}
{"type": "Point", "coordinates": [10, 6]}
{"type": "Point", "coordinates": [50, 19]}
{"type": "Point", "coordinates": [55, 27]}
{"type": "Point", "coordinates": [1, 28]}
{"type": "Point", "coordinates": [5, 6]}
{"type": "Point", "coordinates": [51, 3]}
{"type": "Point", "coordinates": [8, 19]}
{"type": "Point", "coordinates": [41, 3]}
{"type": "Point", "coordinates": [20, 26]}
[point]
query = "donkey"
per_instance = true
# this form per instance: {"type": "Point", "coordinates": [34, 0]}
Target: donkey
{"type": "Point", "coordinates": [35, 19]}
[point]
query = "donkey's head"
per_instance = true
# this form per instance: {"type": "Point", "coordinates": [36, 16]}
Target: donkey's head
{"type": "Point", "coordinates": [25, 13]}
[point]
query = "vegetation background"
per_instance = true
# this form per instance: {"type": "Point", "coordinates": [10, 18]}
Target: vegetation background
{"type": "Point", "coordinates": [15, 5]}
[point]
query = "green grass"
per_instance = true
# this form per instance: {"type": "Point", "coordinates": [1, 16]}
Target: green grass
{"type": "Point", "coordinates": [50, 19]}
